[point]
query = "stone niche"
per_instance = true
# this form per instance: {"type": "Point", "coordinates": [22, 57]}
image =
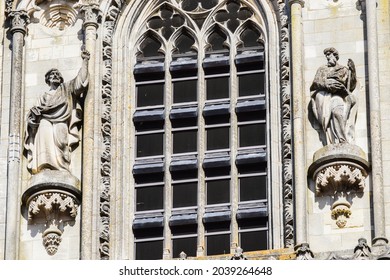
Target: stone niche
{"type": "Point", "coordinates": [339, 171]}
{"type": "Point", "coordinates": [52, 200]}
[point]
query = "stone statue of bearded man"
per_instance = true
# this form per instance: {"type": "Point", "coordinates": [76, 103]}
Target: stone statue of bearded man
{"type": "Point", "coordinates": [52, 130]}
{"type": "Point", "coordinates": [332, 99]}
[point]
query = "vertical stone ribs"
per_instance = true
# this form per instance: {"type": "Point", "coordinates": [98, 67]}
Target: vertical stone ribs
{"type": "Point", "coordinates": [105, 158]}
{"type": "Point", "coordinates": [288, 209]}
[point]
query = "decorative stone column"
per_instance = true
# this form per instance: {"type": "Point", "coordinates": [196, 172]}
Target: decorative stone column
{"type": "Point", "coordinates": [375, 120]}
{"type": "Point", "coordinates": [298, 115]}
{"type": "Point", "coordinates": [19, 21]}
{"type": "Point", "coordinates": [339, 171]}
{"type": "Point", "coordinates": [92, 16]}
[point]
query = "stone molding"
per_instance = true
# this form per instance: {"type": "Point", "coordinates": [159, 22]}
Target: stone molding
{"type": "Point", "coordinates": [109, 24]}
{"type": "Point", "coordinates": [285, 89]}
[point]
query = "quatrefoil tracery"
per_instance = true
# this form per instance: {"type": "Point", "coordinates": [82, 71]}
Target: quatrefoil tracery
{"type": "Point", "coordinates": [166, 22]}
{"type": "Point", "coordinates": [234, 15]}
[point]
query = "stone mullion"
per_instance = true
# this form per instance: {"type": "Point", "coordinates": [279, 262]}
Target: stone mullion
{"type": "Point", "coordinates": [91, 19]}
{"type": "Point", "coordinates": [168, 250]}
{"type": "Point", "coordinates": [201, 152]}
{"type": "Point", "coordinates": [234, 144]}
{"type": "Point", "coordinates": [19, 21]}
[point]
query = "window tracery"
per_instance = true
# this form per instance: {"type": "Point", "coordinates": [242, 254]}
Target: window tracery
{"type": "Point", "coordinates": [191, 121]}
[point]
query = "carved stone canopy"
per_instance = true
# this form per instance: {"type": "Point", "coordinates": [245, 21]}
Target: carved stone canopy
{"type": "Point", "coordinates": [52, 198]}
{"type": "Point", "coordinates": [339, 171]}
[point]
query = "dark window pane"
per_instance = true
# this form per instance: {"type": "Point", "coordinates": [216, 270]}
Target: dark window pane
{"type": "Point", "coordinates": [218, 138]}
{"type": "Point", "coordinates": [218, 244]}
{"type": "Point", "coordinates": [217, 227]}
{"type": "Point", "coordinates": [250, 38]}
{"type": "Point", "coordinates": [253, 241]}
{"type": "Point", "coordinates": [150, 47]}
{"type": "Point", "coordinates": [184, 44]}
{"type": "Point", "coordinates": [149, 178]}
{"type": "Point", "coordinates": [148, 126]}
{"type": "Point", "coordinates": [150, 95]}
{"type": "Point", "coordinates": [217, 40]}
{"type": "Point", "coordinates": [149, 198]}
{"type": "Point", "coordinates": [217, 88]}
{"type": "Point", "coordinates": [184, 229]}
{"type": "Point", "coordinates": [150, 250]}
{"type": "Point", "coordinates": [252, 135]}
{"type": "Point", "coordinates": [185, 195]}
{"type": "Point", "coordinates": [184, 91]}
{"type": "Point", "coordinates": [252, 84]}
{"type": "Point", "coordinates": [253, 188]}
{"type": "Point", "coordinates": [252, 116]}
{"type": "Point", "coordinates": [254, 223]}
{"type": "Point", "coordinates": [143, 233]}
{"type": "Point", "coordinates": [186, 245]}
{"type": "Point", "coordinates": [184, 141]}
{"type": "Point", "coordinates": [184, 174]}
{"type": "Point", "coordinates": [150, 145]}
{"type": "Point", "coordinates": [218, 191]}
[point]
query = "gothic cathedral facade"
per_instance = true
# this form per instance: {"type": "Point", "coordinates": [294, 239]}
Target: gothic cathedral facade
{"type": "Point", "coordinates": [194, 129]}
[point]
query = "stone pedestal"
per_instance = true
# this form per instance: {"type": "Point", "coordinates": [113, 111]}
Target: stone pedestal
{"type": "Point", "coordinates": [52, 198]}
{"type": "Point", "coordinates": [339, 171]}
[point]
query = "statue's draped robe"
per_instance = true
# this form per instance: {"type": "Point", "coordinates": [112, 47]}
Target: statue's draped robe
{"type": "Point", "coordinates": [326, 99]}
{"type": "Point", "coordinates": [52, 130]}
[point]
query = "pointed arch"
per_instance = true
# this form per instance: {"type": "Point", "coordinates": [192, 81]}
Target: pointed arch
{"type": "Point", "coordinates": [217, 38]}
{"type": "Point", "coordinates": [253, 33]}
{"type": "Point", "coordinates": [185, 35]}
{"type": "Point", "coordinates": [150, 44]}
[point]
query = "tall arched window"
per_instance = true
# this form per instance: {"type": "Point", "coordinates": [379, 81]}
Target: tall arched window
{"type": "Point", "coordinates": [200, 131]}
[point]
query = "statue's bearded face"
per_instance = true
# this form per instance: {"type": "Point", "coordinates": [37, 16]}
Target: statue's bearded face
{"type": "Point", "coordinates": [332, 60]}
{"type": "Point", "coordinates": [55, 78]}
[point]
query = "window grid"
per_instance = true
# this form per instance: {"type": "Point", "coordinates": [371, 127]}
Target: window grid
{"type": "Point", "coordinates": [232, 149]}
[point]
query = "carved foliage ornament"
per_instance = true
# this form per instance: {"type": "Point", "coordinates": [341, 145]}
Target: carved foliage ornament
{"type": "Point", "coordinates": [19, 21]}
{"type": "Point", "coordinates": [339, 171]}
{"type": "Point", "coordinates": [53, 207]}
{"type": "Point", "coordinates": [52, 201]}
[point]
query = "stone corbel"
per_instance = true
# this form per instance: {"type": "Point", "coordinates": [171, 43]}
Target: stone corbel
{"type": "Point", "coordinates": [53, 198]}
{"type": "Point", "coordinates": [339, 171]}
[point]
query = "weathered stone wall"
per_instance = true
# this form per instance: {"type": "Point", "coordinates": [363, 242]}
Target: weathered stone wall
{"type": "Point", "coordinates": [337, 24]}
